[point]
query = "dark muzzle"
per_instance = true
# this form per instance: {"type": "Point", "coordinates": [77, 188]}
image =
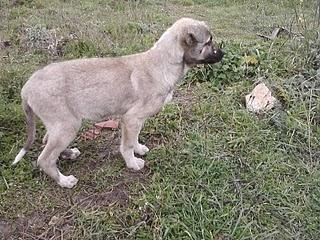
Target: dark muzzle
{"type": "Point", "coordinates": [215, 56]}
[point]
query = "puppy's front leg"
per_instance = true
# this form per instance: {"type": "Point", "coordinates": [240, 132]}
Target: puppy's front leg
{"type": "Point", "coordinates": [130, 130]}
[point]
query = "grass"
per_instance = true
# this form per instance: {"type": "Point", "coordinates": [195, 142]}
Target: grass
{"type": "Point", "coordinates": [215, 170]}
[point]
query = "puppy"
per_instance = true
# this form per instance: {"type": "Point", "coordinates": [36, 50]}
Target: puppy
{"type": "Point", "coordinates": [132, 87]}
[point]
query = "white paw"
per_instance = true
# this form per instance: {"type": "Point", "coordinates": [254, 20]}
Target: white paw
{"type": "Point", "coordinates": [67, 181]}
{"type": "Point", "coordinates": [136, 164]}
{"type": "Point", "coordinates": [141, 149]}
{"type": "Point", "coordinates": [71, 153]}
{"type": "Point", "coordinates": [75, 153]}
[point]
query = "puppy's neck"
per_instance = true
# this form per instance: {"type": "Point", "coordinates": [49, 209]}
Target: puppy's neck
{"type": "Point", "coordinates": [168, 48]}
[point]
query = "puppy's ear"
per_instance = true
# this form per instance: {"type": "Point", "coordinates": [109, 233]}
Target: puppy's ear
{"type": "Point", "coordinates": [189, 39]}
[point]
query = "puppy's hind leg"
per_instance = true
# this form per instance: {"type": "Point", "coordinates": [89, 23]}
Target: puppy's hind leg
{"type": "Point", "coordinates": [69, 153]}
{"type": "Point", "coordinates": [59, 138]}
{"type": "Point", "coordinates": [130, 130]}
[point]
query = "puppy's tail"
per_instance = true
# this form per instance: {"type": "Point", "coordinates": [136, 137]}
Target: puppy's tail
{"type": "Point", "coordinates": [31, 131]}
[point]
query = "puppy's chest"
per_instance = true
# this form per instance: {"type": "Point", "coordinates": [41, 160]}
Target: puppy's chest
{"type": "Point", "coordinates": [159, 103]}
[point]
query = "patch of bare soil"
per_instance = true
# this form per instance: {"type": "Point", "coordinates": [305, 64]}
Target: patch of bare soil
{"type": "Point", "coordinates": [184, 96]}
{"type": "Point", "coordinates": [118, 193]}
{"type": "Point", "coordinates": [57, 220]}
{"type": "Point", "coordinates": [37, 225]}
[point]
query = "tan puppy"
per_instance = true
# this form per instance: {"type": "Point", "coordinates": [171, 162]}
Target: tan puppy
{"type": "Point", "coordinates": [132, 87]}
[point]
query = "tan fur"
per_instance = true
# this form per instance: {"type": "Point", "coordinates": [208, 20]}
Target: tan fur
{"type": "Point", "coordinates": [132, 87]}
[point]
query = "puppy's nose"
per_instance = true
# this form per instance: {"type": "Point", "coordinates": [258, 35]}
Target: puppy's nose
{"type": "Point", "coordinates": [219, 53]}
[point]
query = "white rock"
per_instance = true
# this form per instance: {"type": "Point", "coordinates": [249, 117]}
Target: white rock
{"type": "Point", "coordinates": [260, 99]}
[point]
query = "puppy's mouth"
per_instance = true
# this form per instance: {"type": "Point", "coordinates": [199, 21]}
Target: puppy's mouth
{"type": "Point", "coordinates": [215, 56]}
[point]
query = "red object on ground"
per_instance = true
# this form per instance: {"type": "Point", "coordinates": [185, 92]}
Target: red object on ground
{"type": "Point", "coordinates": [94, 132]}
{"type": "Point", "coordinates": [107, 124]}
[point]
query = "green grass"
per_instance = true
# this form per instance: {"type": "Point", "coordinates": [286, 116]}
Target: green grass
{"type": "Point", "coordinates": [215, 171]}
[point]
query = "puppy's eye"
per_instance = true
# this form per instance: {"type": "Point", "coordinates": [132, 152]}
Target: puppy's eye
{"type": "Point", "coordinates": [209, 42]}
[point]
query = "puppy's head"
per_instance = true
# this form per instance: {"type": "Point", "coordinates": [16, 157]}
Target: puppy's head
{"type": "Point", "coordinates": [198, 44]}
